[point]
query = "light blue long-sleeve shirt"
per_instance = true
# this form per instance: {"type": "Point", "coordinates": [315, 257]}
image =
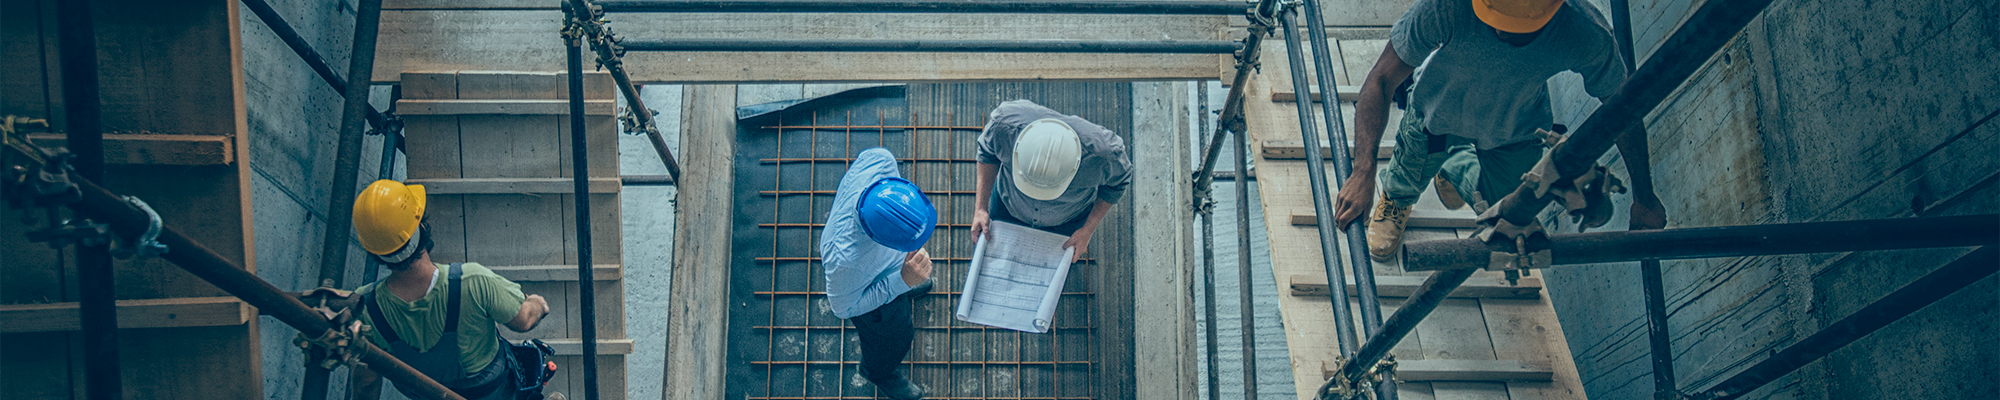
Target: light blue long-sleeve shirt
{"type": "Point", "coordinates": [860, 274]}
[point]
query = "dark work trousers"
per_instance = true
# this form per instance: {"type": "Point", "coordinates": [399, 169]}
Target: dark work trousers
{"type": "Point", "coordinates": [998, 212]}
{"type": "Point", "coordinates": [885, 337]}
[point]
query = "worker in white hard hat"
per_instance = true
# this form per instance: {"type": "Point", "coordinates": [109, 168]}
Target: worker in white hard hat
{"type": "Point", "coordinates": [1479, 95]}
{"type": "Point", "coordinates": [1048, 170]}
{"type": "Point", "coordinates": [441, 321]}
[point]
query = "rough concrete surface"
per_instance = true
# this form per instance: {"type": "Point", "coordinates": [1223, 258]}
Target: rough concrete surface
{"type": "Point", "coordinates": [1819, 111]}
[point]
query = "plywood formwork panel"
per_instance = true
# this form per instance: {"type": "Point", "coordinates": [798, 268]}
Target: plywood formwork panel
{"type": "Point", "coordinates": [167, 73]}
{"type": "Point", "coordinates": [504, 200]}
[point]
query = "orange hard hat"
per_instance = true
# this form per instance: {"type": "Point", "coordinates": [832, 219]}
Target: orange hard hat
{"type": "Point", "coordinates": [1517, 16]}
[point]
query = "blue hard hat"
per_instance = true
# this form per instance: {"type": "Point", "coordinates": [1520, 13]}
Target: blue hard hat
{"type": "Point", "coordinates": [895, 213]}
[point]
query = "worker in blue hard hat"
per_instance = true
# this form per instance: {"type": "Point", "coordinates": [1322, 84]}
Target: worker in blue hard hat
{"type": "Point", "coordinates": [872, 250]}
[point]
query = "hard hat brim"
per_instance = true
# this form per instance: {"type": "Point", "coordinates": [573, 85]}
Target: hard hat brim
{"type": "Point", "coordinates": [1037, 192]}
{"type": "Point", "coordinates": [1512, 24]}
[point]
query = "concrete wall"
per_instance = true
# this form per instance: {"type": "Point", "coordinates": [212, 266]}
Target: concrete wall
{"type": "Point", "coordinates": [1820, 111]}
{"type": "Point", "coordinates": [294, 120]}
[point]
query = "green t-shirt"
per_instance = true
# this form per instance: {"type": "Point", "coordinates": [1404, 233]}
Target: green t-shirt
{"type": "Point", "coordinates": [487, 300]}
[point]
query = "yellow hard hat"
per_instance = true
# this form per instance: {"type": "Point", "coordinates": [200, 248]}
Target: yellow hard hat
{"type": "Point", "coordinates": [1517, 16]}
{"type": "Point", "coordinates": [387, 214]}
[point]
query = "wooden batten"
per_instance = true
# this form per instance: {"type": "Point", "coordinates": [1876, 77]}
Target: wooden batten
{"type": "Point", "coordinates": [500, 107]}
{"type": "Point", "coordinates": [1466, 370]}
{"type": "Point", "coordinates": [605, 347]}
{"type": "Point", "coordinates": [1404, 286]}
{"type": "Point", "coordinates": [1419, 218]}
{"type": "Point", "coordinates": [155, 149]}
{"type": "Point", "coordinates": [555, 273]}
{"type": "Point", "coordinates": [1287, 95]}
{"type": "Point", "coordinates": [132, 314]}
{"type": "Point", "coordinates": [1296, 150]}
{"type": "Point", "coordinates": [513, 185]}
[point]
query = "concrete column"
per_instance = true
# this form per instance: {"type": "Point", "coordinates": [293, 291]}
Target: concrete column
{"type": "Point", "coordinates": [1161, 194]}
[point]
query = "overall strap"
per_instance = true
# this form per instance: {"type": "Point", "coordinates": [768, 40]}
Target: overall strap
{"type": "Point", "coordinates": [375, 316]}
{"type": "Point", "coordinates": [451, 306]}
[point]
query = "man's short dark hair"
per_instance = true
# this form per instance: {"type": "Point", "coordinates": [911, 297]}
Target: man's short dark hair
{"type": "Point", "coordinates": [423, 243]}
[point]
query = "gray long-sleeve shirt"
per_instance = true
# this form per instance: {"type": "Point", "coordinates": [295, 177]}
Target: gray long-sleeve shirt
{"type": "Point", "coordinates": [1478, 87]}
{"type": "Point", "coordinates": [1103, 174]}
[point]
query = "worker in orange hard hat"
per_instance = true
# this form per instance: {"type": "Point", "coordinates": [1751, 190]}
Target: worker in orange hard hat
{"type": "Point", "coordinates": [1472, 109]}
{"type": "Point", "coordinates": [441, 321]}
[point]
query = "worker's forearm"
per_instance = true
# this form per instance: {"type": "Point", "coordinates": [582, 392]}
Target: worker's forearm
{"type": "Point", "coordinates": [1371, 116]}
{"type": "Point", "coordinates": [987, 172]}
{"type": "Point", "coordinates": [1097, 213]}
{"type": "Point", "coordinates": [1638, 162]}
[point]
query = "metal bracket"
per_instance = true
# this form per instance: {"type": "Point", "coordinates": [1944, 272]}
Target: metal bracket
{"type": "Point", "coordinates": [72, 231]}
{"type": "Point", "coordinates": [344, 343]}
{"type": "Point", "coordinates": [1588, 197]}
{"type": "Point", "coordinates": [1527, 246]}
{"type": "Point", "coordinates": [146, 245]}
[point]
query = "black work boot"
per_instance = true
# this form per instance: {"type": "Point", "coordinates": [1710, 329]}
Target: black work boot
{"type": "Point", "coordinates": [899, 388]}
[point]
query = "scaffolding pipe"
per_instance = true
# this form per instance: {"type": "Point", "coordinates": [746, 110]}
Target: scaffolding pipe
{"type": "Point", "coordinates": [1329, 248]}
{"type": "Point", "coordinates": [305, 51]}
{"type": "Point", "coordinates": [388, 171]}
{"type": "Point", "coordinates": [346, 171]}
{"type": "Point", "coordinates": [1231, 118]}
{"type": "Point", "coordinates": [936, 46]}
{"type": "Point", "coordinates": [1246, 302]}
{"type": "Point", "coordinates": [1208, 301]}
{"type": "Point", "coordinates": [98, 298]}
{"type": "Point", "coordinates": [580, 174]}
{"type": "Point", "coordinates": [1937, 285]}
{"type": "Point", "coordinates": [1399, 325]}
{"type": "Point", "coordinates": [1691, 45]}
{"type": "Point", "coordinates": [1657, 333]}
{"type": "Point", "coordinates": [1343, 166]}
{"type": "Point", "coordinates": [591, 27]}
{"type": "Point", "coordinates": [1723, 241]}
{"type": "Point", "coordinates": [126, 220]}
{"type": "Point", "coordinates": [1206, 208]}
{"type": "Point", "coordinates": [932, 6]}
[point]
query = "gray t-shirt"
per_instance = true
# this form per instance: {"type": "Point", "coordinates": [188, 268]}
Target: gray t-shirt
{"type": "Point", "coordinates": [1478, 87]}
{"type": "Point", "coordinates": [1103, 173]}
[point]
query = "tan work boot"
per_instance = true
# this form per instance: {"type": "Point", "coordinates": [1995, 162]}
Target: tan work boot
{"type": "Point", "coordinates": [1448, 194]}
{"type": "Point", "coordinates": [1385, 229]}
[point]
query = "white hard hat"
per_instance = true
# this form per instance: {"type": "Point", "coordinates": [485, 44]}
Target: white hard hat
{"type": "Point", "coordinates": [1045, 158]}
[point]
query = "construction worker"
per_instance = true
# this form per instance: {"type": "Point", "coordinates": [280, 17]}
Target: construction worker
{"type": "Point", "coordinates": [439, 320]}
{"type": "Point", "coordinates": [876, 265]}
{"type": "Point", "coordinates": [1064, 173]}
{"type": "Point", "coordinates": [1474, 107]}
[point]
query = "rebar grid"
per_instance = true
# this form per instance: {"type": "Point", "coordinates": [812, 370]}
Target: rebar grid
{"type": "Point", "coordinates": [951, 262]}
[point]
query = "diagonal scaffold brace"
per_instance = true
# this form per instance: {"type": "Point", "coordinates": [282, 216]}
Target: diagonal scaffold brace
{"type": "Point", "coordinates": [585, 21]}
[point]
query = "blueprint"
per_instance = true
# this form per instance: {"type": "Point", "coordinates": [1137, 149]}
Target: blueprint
{"type": "Point", "coordinates": [1016, 278]}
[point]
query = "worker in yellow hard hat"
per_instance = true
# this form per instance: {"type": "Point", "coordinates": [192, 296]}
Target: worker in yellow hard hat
{"type": "Point", "coordinates": [1473, 108]}
{"type": "Point", "coordinates": [1062, 174]}
{"type": "Point", "coordinates": [441, 321]}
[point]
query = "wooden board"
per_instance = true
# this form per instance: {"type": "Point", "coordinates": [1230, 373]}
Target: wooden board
{"type": "Point", "coordinates": [1296, 150]}
{"type": "Point", "coordinates": [1404, 286]}
{"type": "Point", "coordinates": [1419, 218]}
{"type": "Point", "coordinates": [132, 314]}
{"type": "Point", "coordinates": [156, 149]}
{"type": "Point", "coordinates": [469, 39]}
{"type": "Point", "coordinates": [1287, 95]}
{"type": "Point", "coordinates": [513, 185]}
{"type": "Point", "coordinates": [572, 347]}
{"type": "Point", "coordinates": [696, 345]}
{"type": "Point", "coordinates": [504, 107]}
{"type": "Point", "coordinates": [1466, 370]}
{"type": "Point", "coordinates": [542, 273]}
